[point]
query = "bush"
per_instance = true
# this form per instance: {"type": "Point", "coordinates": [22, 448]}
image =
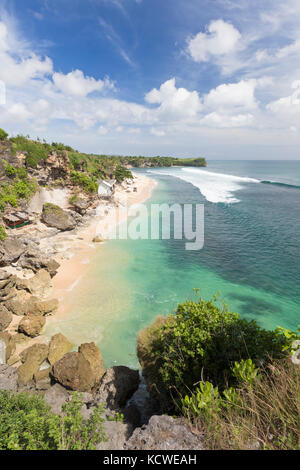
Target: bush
{"type": "Point", "coordinates": [3, 234]}
{"type": "Point", "coordinates": [36, 151]}
{"type": "Point", "coordinates": [3, 134]}
{"type": "Point", "coordinates": [84, 181]}
{"type": "Point", "coordinates": [261, 413]}
{"type": "Point", "coordinates": [121, 173]}
{"type": "Point", "coordinates": [27, 423]}
{"type": "Point", "coordinates": [11, 192]}
{"type": "Point", "coordinates": [202, 342]}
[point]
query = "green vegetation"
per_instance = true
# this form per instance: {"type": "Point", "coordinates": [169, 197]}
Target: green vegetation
{"type": "Point", "coordinates": [225, 374]}
{"type": "Point", "coordinates": [27, 423]}
{"type": "Point", "coordinates": [122, 173]}
{"type": "Point", "coordinates": [36, 151]}
{"type": "Point", "coordinates": [3, 134]}
{"type": "Point", "coordinates": [3, 234]}
{"type": "Point", "coordinates": [12, 192]}
{"type": "Point", "coordinates": [89, 184]}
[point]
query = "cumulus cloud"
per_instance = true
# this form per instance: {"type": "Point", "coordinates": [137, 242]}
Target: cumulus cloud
{"type": "Point", "coordinates": [233, 95]}
{"type": "Point", "coordinates": [174, 102]}
{"type": "Point", "coordinates": [76, 84]}
{"type": "Point", "coordinates": [221, 38]}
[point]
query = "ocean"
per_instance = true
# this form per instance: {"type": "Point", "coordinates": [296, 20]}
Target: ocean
{"type": "Point", "coordinates": [250, 258]}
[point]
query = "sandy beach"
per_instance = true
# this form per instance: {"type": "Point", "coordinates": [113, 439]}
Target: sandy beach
{"type": "Point", "coordinates": [76, 250]}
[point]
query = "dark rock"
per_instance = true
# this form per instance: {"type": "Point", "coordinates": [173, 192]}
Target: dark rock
{"type": "Point", "coordinates": [117, 386]}
{"type": "Point", "coordinates": [164, 433]}
{"type": "Point", "coordinates": [5, 318]}
{"type": "Point", "coordinates": [8, 378]}
{"type": "Point", "coordinates": [55, 216]}
{"type": "Point", "coordinates": [73, 371]}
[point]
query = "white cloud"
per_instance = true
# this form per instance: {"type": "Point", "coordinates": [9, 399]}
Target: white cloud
{"type": "Point", "coordinates": [221, 38]}
{"type": "Point", "coordinates": [157, 132]}
{"type": "Point", "coordinates": [233, 95]}
{"type": "Point", "coordinates": [174, 102]}
{"type": "Point", "coordinates": [76, 84]}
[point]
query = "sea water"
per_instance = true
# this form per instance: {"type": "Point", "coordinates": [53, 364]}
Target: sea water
{"type": "Point", "coordinates": [251, 257]}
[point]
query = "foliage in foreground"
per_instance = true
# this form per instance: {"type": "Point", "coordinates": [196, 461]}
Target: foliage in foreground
{"type": "Point", "coordinates": [27, 423]}
{"type": "Point", "coordinates": [262, 412]}
{"type": "Point", "coordinates": [201, 342]}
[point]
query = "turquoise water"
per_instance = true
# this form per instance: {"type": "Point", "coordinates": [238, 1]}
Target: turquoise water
{"type": "Point", "coordinates": [251, 257]}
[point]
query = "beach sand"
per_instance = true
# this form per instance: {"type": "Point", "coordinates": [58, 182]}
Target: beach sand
{"type": "Point", "coordinates": [77, 250]}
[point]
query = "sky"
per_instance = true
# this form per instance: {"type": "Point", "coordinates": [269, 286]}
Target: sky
{"type": "Point", "coordinates": [212, 78]}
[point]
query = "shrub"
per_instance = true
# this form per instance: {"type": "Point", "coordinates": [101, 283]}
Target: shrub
{"type": "Point", "coordinates": [84, 181]}
{"type": "Point", "coordinates": [3, 234]}
{"type": "Point", "coordinates": [27, 423]}
{"type": "Point", "coordinates": [36, 151]}
{"type": "Point", "coordinates": [3, 134]}
{"type": "Point", "coordinates": [121, 173]}
{"type": "Point", "coordinates": [202, 342]}
{"type": "Point", "coordinates": [263, 413]}
{"type": "Point", "coordinates": [11, 192]}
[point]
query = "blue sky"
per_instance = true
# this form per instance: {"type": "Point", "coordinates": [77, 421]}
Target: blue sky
{"type": "Point", "coordinates": [214, 78]}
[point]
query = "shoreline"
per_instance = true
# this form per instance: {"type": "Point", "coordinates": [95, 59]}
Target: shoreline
{"type": "Point", "coordinates": [78, 248]}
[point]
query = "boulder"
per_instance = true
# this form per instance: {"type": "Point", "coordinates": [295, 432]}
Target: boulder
{"type": "Point", "coordinates": [35, 260]}
{"type": "Point", "coordinates": [98, 239]}
{"type": "Point", "coordinates": [80, 205]}
{"type": "Point", "coordinates": [43, 374]}
{"type": "Point", "coordinates": [74, 372]}
{"type": "Point", "coordinates": [8, 378]}
{"type": "Point", "coordinates": [31, 325]}
{"type": "Point", "coordinates": [5, 318]}
{"type": "Point", "coordinates": [93, 356]}
{"type": "Point", "coordinates": [164, 433]}
{"type": "Point", "coordinates": [8, 288]}
{"type": "Point", "coordinates": [117, 386]}
{"type": "Point", "coordinates": [37, 353]}
{"type": "Point", "coordinates": [55, 216]}
{"type": "Point", "coordinates": [38, 285]}
{"type": "Point", "coordinates": [26, 372]}
{"type": "Point", "coordinates": [42, 308]}
{"type": "Point", "coordinates": [58, 347]}
{"type": "Point", "coordinates": [18, 305]}
{"type": "Point", "coordinates": [11, 250]}
{"type": "Point", "coordinates": [7, 346]}
{"type": "Point", "coordinates": [56, 397]}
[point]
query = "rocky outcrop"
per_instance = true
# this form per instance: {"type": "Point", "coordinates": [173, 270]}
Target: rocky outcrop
{"type": "Point", "coordinates": [164, 433]}
{"type": "Point", "coordinates": [74, 372]}
{"type": "Point", "coordinates": [5, 318]}
{"type": "Point", "coordinates": [80, 370]}
{"type": "Point", "coordinates": [116, 434]}
{"type": "Point", "coordinates": [31, 358]}
{"type": "Point", "coordinates": [80, 205]}
{"type": "Point", "coordinates": [58, 347]}
{"type": "Point", "coordinates": [38, 285]}
{"type": "Point", "coordinates": [93, 356]}
{"type": "Point", "coordinates": [8, 346]}
{"type": "Point", "coordinates": [117, 386]}
{"type": "Point", "coordinates": [32, 325]}
{"type": "Point", "coordinates": [11, 250]}
{"type": "Point", "coordinates": [55, 216]}
{"type": "Point", "coordinates": [56, 397]}
{"type": "Point", "coordinates": [8, 378]}
{"type": "Point", "coordinates": [35, 260]}
{"type": "Point", "coordinates": [18, 304]}
{"type": "Point", "coordinates": [55, 167]}
{"type": "Point", "coordinates": [42, 308]}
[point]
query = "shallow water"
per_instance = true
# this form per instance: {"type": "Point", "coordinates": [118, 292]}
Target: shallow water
{"type": "Point", "coordinates": [251, 256]}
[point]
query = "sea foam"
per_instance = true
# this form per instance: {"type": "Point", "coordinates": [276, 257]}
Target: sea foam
{"type": "Point", "coordinates": [215, 187]}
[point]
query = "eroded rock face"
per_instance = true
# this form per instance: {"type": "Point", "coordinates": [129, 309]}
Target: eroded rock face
{"type": "Point", "coordinates": [5, 318]}
{"type": "Point", "coordinates": [56, 397]}
{"type": "Point", "coordinates": [35, 260]}
{"type": "Point", "coordinates": [8, 344]}
{"type": "Point", "coordinates": [11, 250]}
{"type": "Point", "coordinates": [38, 285]}
{"type": "Point", "coordinates": [31, 325]}
{"type": "Point", "coordinates": [164, 433]}
{"type": "Point", "coordinates": [117, 386]}
{"type": "Point", "coordinates": [73, 371]}
{"type": "Point", "coordinates": [55, 216]}
{"type": "Point", "coordinates": [58, 347]}
{"type": "Point", "coordinates": [8, 378]}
